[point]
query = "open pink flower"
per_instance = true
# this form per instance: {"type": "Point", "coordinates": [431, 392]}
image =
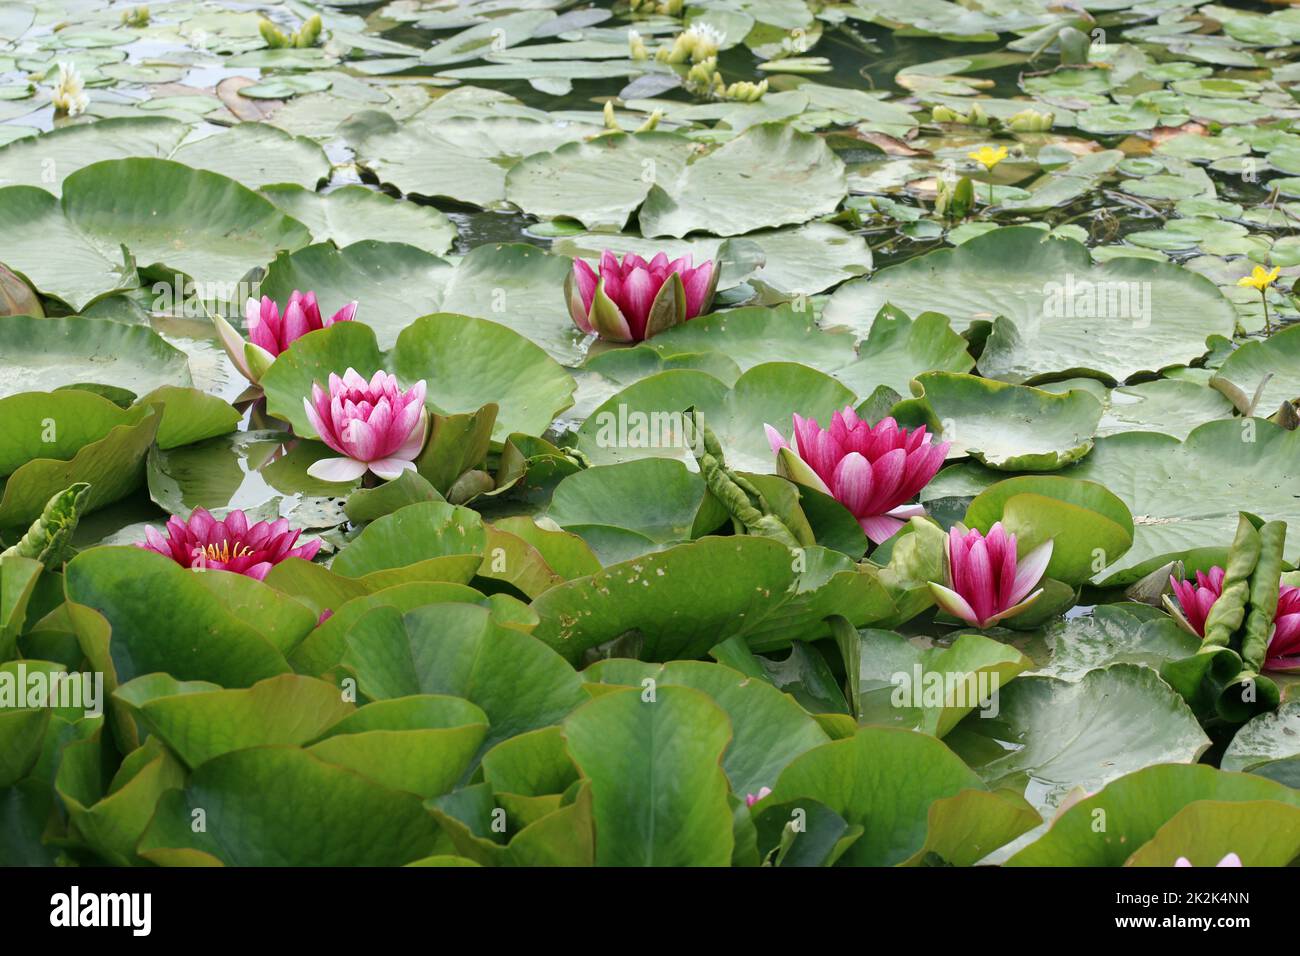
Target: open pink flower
{"type": "Point", "coordinates": [871, 470]}
{"type": "Point", "coordinates": [632, 300]}
{"type": "Point", "coordinates": [753, 798]}
{"type": "Point", "coordinates": [231, 544]}
{"type": "Point", "coordinates": [1284, 646]}
{"type": "Point", "coordinates": [374, 425]}
{"type": "Point", "coordinates": [271, 333]}
{"type": "Point", "coordinates": [1195, 600]}
{"type": "Point", "coordinates": [986, 583]}
{"type": "Point", "coordinates": [1229, 860]}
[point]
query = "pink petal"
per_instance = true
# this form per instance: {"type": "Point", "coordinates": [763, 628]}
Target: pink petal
{"type": "Point", "coordinates": [954, 603]}
{"type": "Point", "coordinates": [390, 468]}
{"type": "Point", "coordinates": [1030, 570]}
{"type": "Point", "coordinates": [880, 528]}
{"type": "Point", "coordinates": [337, 469]}
{"type": "Point", "coordinates": [774, 438]}
{"type": "Point", "coordinates": [638, 295]}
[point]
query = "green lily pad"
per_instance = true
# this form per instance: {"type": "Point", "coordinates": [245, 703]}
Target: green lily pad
{"type": "Point", "coordinates": [769, 175]}
{"type": "Point", "coordinates": [598, 182]}
{"type": "Point", "coordinates": [422, 744]}
{"type": "Point", "coordinates": [248, 801]}
{"type": "Point", "coordinates": [1134, 808]}
{"type": "Point", "coordinates": [220, 629]}
{"type": "Point", "coordinates": [1273, 736]}
{"type": "Point", "coordinates": [45, 161]}
{"type": "Point", "coordinates": [1008, 427]}
{"type": "Point", "coordinates": [645, 419]}
{"type": "Point", "coordinates": [682, 601]}
{"type": "Point", "coordinates": [617, 495]}
{"type": "Point", "coordinates": [659, 794]}
{"type": "Point", "coordinates": [891, 778]}
{"type": "Point", "coordinates": [1272, 365]}
{"type": "Point", "coordinates": [1052, 310]}
{"type": "Point", "coordinates": [1168, 405]}
{"type": "Point", "coordinates": [930, 689]}
{"type": "Point", "coordinates": [795, 260]}
{"type": "Point", "coordinates": [52, 353]}
{"type": "Point", "coordinates": [171, 218]}
{"type": "Point", "coordinates": [1070, 648]}
{"type": "Point", "coordinates": [768, 728]}
{"type": "Point", "coordinates": [109, 817]}
{"type": "Point", "coordinates": [458, 649]}
{"type": "Point", "coordinates": [258, 154]}
{"type": "Point", "coordinates": [352, 213]}
{"type": "Point", "coordinates": [1051, 736]}
{"type": "Point", "coordinates": [461, 158]}
{"type": "Point", "coordinates": [1259, 832]}
{"type": "Point", "coordinates": [200, 721]}
{"type": "Point", "coordinates": [113, 466]}
{"type": "Point", "coordinates": [521, 287]}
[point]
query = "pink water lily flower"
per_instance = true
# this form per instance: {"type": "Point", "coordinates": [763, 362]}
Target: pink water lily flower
{"type": "Point", "coordinates": [986, 583]}
{"type": "Point", "coordinates": [231, 544]}
{"type": "Point", "coordinates": [632, 300]}
{"type": "Point", "coordinates": [1284, 646]}
{"type": "Point", "coordinates": [374, 425]}
{"type": "Point", "coordinates": [1195, 600]}
{"type": "Point", "coordinates": [753, 798]}
{"type": "Point", "coordinates": [1230, 859]}
{"type": "Point", "coordinates": [870, 469]}
{"type": "Point", "coordinates": [271, 333]}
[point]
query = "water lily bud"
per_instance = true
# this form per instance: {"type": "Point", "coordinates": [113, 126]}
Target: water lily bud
{"type": "Point", "coordinates": [680, 51]}
{"type": "Point", "coordinates": [275, 37]}
{"type": "Point", "coordinates": [308, 33]}
{"type": "Point", "coordinates": [1031, 121]}
{"type": "Point", "coordinates": [636, 46]}
{"type": "Point", "coordinates": [701, 74]}
{"type": "Point", "coordinates": [17, 297]}
{"type": "Point", "coordinates": [672, 8]}
{"type": "Point", "coordinates": [944, 114]}
{"type": "Point", "coordinates": [136, 17]}
{"type": "Point", "coordinates": [651, 122]}
{"type": "Point", "coordinates": [611, 121]}
{"type": "Point", "coordinates": [977, 116]}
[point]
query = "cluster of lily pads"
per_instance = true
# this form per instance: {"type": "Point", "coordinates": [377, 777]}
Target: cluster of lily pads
{"type": "Point", "coordinates": [556, 433]}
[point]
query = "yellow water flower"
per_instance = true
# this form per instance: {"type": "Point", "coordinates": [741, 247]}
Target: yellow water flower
{"type": "Point", "coordinates": [987, 156]}
{"type": "Point", "coordinates": [1260, 278]}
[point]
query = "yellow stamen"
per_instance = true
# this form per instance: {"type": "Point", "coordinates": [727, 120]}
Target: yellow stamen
{"type": "Point", "coordinates": [224, 554]}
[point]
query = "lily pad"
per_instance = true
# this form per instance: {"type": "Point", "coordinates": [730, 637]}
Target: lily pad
{"type": "Point", "coordinates": [1052, 309]}
{"type": "Point", "coordinates": [769, 175]}
{"type": "Point", "coordinates": [1051, 736]}
{"type": "Point", "coordinates": [659, 794]}
{"type": "Point", "coordinates": [1008, 427]}
{"type": "Point", "coordinates": [352, 213]}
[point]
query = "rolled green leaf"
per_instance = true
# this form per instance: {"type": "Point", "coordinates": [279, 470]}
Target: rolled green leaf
{"type": "Point", "coordinates": [1264, 587]}
{"type": "Point", "coordinates": [1228, 612]}
{"type": "Point", "coordinates": [50, 537]}
{"type": "Point", "coordinates": [1247, 695]}
{"type": "Point", "coordinates": [743, 501]}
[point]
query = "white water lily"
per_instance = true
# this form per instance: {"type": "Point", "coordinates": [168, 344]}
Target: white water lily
{"type": "Point", "coordinates": [703, 40]}
{"type": "Point", "coordinates": [70, 95]}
